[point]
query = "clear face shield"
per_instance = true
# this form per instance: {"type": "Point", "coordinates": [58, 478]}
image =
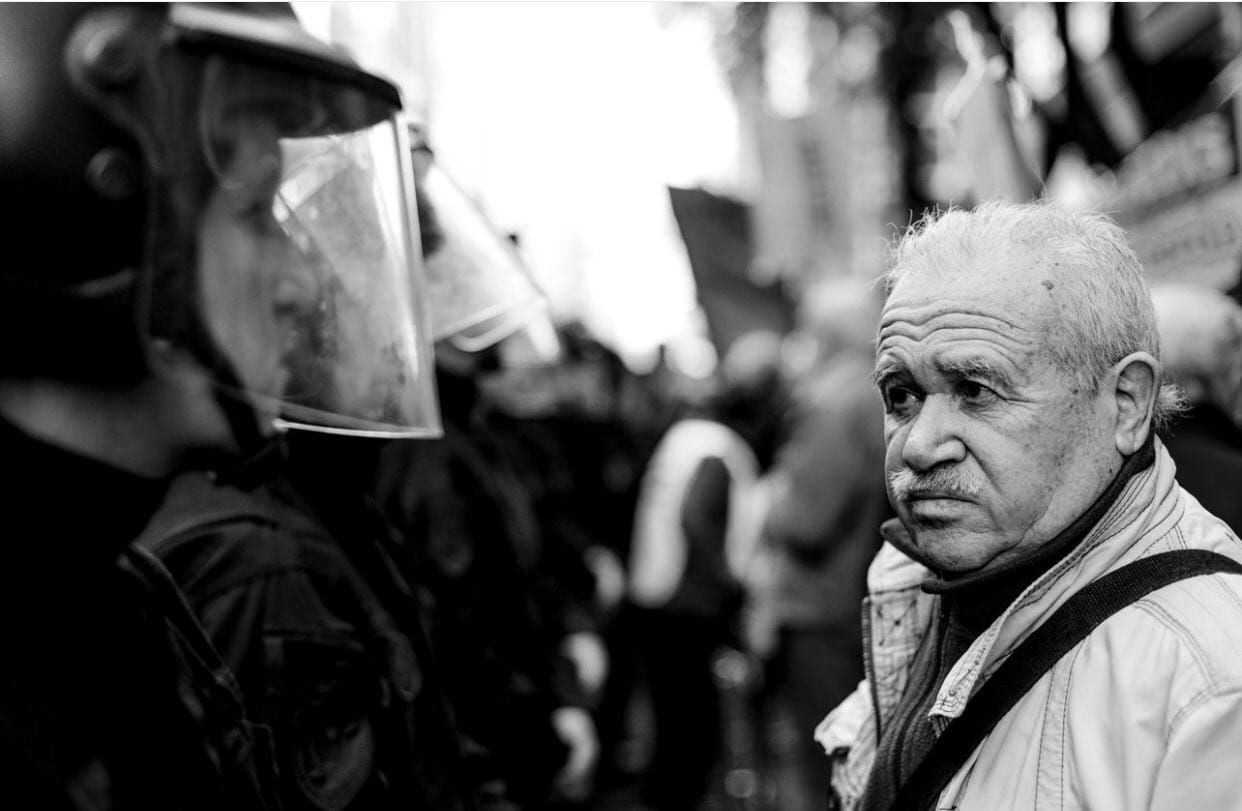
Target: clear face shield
{"type": "Point", "coordinates": [479, 289]}
{"type": "Point", "coordinates": [307, 252]}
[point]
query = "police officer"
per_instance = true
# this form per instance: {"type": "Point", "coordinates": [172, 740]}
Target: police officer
{"type": "Point", "coordinates": [300, 584]}
{"type": "Point", "coordinates": [207, 234]}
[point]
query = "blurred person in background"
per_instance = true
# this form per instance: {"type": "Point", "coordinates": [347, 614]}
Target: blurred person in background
{"type": "Point", "coordinates": [696, 527]}
{"type": "Point", "coordinates": [572, 433]}
{"type": "Point", "coordinates": [466, 524]}
{"type": "Point", "coordinates": [295, 572]}
{"type": "Point", "coordinates": [563, 426]}
{"type": "Point", "coordinates": [826, 501]}
{"type": "Point", "coordinates": [162, 331]}
{"type": "Point", "coordinates": [1201, 346]}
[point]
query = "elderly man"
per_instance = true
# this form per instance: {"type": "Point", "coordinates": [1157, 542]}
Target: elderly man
{"type": "Point", "coordinates": [1019, 655]}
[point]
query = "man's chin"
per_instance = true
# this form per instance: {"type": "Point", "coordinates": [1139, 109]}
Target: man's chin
{"type": "Point", "coordinates": [948, 548]}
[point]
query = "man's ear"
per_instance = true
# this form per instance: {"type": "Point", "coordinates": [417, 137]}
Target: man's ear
{"type": "Point", "coordinates": [1134, 393]}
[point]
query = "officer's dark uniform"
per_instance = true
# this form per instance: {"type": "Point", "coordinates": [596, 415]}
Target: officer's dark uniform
{"type": "Point", "coordinates": [347, 688]}
{"type": "Point", "coordinates": [110, 696]}
{"type": "Point", "coordinates": [191, 197]}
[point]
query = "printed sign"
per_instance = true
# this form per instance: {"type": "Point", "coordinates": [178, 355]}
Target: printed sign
{"type": "Point", "coordinates": [1179, 195]}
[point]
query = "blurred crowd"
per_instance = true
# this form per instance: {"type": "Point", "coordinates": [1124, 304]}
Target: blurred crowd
{"type": "Point", "coordinates": [313, 505]}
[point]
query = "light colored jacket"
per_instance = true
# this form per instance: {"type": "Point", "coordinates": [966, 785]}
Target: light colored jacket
{"type": "Point", "coordinates": [659, 550]}
{"type": "Point", "coordinates": [1145, 713]}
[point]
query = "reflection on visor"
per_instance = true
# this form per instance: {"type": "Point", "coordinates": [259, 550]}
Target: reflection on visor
{"type": "Point", "coordinates": [528, 338]}
{"type": "Point", "coordinates": [308, 261]}
{"type": "Point", "coordinates": [479, 290]}
{"type": "Point", "coordinates": [536, 344]}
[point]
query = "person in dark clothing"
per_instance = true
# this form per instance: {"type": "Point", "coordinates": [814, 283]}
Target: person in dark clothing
{"type": "Point", "coordinates": [157, 331]}
{"type": "Point", "coordinates": [460, 527]}
{"type": "Point", "coordinates": [467, 524]}
{"type": "Point", "coordinates": [1201, 340]}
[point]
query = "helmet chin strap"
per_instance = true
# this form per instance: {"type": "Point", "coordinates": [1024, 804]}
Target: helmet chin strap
{"type": "Point", "coordinates": [261, 457]}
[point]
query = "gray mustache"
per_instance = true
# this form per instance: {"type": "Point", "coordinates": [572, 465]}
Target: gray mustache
{"type": "Point", "coordinates": [942, 482]}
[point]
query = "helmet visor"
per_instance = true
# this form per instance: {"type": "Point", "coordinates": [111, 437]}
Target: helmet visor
{"type": "Point", "coordinates": [534, 344]}
{"type": "Point", "coordinates": [479, 289]}
{"type": "Point", "coordinates": [308, 261]}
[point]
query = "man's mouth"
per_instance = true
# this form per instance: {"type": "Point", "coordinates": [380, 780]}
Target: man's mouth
{"type": "Point", "coordinates": [936, 509]}
{"type": "Point", "coordinates": [937, 495]}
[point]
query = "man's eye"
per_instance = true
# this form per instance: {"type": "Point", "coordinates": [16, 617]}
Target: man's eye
{"type": "Point", "coordinates": [898, 399]}
{"type": "Point", "coordinates": [976, 393]}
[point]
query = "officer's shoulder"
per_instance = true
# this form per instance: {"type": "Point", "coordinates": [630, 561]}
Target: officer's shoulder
{"type": "Point", "coordinates": [227, 534]}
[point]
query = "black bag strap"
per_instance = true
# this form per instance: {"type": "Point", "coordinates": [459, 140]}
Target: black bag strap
{"type": "Point", "coordinates": [1076, 618]}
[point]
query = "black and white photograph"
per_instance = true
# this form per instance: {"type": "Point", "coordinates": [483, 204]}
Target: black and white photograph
{"type": "Point", "coordinates": [620, 405]}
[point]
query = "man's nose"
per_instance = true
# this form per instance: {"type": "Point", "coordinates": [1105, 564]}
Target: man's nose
{"type": "Point", "coordinates": [932, 438]}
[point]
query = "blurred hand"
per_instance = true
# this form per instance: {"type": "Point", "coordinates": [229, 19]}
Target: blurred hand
{"type": "Point", "coordinates": [760, 625]}
{"type": "Point", "coordinates": [574, 726]}
{"type": "Point", "coordinates": [590, 659]}
{"type": "Point", "coordinates": [609, 577]}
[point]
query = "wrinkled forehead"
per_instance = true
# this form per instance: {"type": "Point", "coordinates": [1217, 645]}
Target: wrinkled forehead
{"type": "Point", "coordinates": [993, 312]}
{"type": "Point", "coordinates": [1013, 286]}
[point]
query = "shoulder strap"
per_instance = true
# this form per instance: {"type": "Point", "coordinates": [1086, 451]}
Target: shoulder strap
{"type": "Point", "coordinates": [1068, 626]}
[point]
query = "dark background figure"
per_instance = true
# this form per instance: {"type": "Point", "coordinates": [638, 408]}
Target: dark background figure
{"type": "Point", "coordinates": [577, 433]}
{"type": "Point", "coordinates": [695, 527]}
{"type": "Point", "coordinates": [1201, 347]}
{"type": "Point", "coordinates": [466, 523]}
{"type": "Point", "coordinates": [579, 456]}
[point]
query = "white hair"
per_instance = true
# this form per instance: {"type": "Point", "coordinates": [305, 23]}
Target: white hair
{"type": "Point", "coordinates": [1108, 312]}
